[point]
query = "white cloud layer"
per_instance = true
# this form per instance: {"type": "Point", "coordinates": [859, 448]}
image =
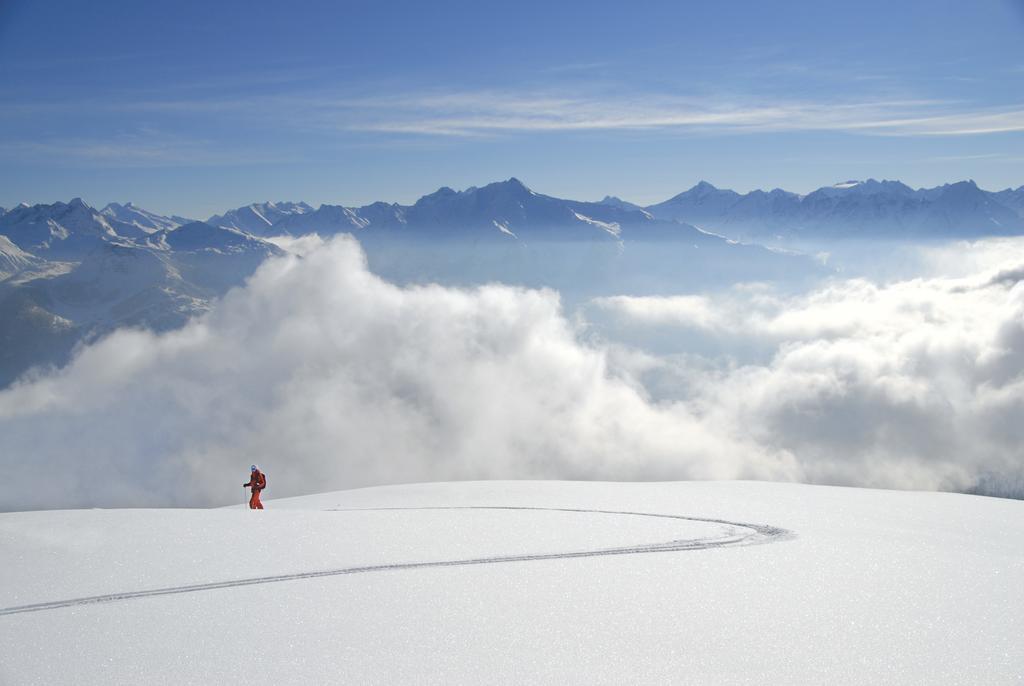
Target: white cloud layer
{"type": "Point", "coordinates": [330, 378]}
{"type": "Point", "coordinates": [914, 384]}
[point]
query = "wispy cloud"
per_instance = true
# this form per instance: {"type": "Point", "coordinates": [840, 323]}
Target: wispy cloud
{"type": "Point", "coordinates": [361, 117]}
{"type": "Point", "coordinates": [968, 123]}
{"type": "Point", "coordinates": [136, 149]}
{"type": "Point", "coordinates": [483, 113]}
{"type": "Point", "coordinates": [994, 157]}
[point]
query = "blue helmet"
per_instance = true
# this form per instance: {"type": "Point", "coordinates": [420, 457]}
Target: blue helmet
{"type": "Point", "coordinates": [252, 468]}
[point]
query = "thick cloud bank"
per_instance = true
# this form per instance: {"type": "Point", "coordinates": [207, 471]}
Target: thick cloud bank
{"type": "Point", "coordinates": [330, 377]}
{"type": "Point", "coordinates": [916, 384]}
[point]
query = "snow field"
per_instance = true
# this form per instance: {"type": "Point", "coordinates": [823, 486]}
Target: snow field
{"type": "Point", "coordinates": [875, 587]}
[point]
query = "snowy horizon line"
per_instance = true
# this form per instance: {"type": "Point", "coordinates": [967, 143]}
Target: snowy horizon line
{"type": "Point", "coordinates": [702, 183]}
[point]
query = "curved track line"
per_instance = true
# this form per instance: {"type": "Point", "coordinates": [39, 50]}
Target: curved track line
{"type": "Point", "coordinates": [755, 534]}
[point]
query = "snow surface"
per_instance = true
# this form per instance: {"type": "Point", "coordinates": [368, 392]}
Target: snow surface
{"type": "Point", "coordinates": [142, 219]}
{"type": "Point", "coordinates": [503, 227]}
{"type": "Point", "coordinates": [13, 259]}
{"type": "Point", "coordinates": [611, 227]}
{"type": "Point", "coordinates": [866, 586]}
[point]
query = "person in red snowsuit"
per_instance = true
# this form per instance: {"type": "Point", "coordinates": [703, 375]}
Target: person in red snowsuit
{"type": "Point", "coordinates": [257, 482]}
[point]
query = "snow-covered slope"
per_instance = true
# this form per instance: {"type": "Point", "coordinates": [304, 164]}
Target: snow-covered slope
{"type": "Point", "coordinates": [61, 230]}
{"type": "Point", "coordinates": [158, 283]}
{"type": "Point", "coordinates": [523, 582]}
{"type": "Point", "coordinates": [331, 219]}
{"type": "Point", "coordinates": [69, 273]}
{"type": "Point", "coordinates": [257, 218]}
{"type": "Point", "coordinates": [142, 219]}
{"type": "Point", "coordinates": [325, 220]}
{"type": "Point", "coordinates": [212, 258]}
{"type": "Point", "coordinates": [14, 260]}
{"type": "Point", "coordinates": [205, 237]}
{"type": "Point", "coordinates": [120, 285]}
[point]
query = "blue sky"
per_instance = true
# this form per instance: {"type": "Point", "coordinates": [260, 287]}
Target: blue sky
{"type": "Point", "coordinates": [198, 107]}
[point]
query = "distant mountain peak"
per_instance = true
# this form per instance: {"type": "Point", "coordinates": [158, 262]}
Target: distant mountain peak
{"type": "Point", "coordinates": [497, 191]}
{"type": "Point", "coordinates": [703, 194]}
{"type": "Point", "coordinates": [614, 201]}
{"type": "Point", "coordinates": [513, 182]}
{"type": "Point", "coordinates": [512, 187]}
{"type": "Point", "coordinates": [703, 186]}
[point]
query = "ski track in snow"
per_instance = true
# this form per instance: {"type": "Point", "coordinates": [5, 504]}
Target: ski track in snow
{"type": "Point", "coordinates": [754, 534]}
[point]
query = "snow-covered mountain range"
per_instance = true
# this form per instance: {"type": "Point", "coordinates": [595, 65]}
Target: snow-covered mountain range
{"type": "Point", "coordinates": [503, 211]}
{"type": "Point", "coordinates": [257, 218]}
{"type": "Point", "coordinates": [854, 209]}
{"type": "Point", "coordinates": [70, 273]}
{"type": "Point", "coordinates": [508, 210]}
{"type": "Point", "coordinates": [505, 231]}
